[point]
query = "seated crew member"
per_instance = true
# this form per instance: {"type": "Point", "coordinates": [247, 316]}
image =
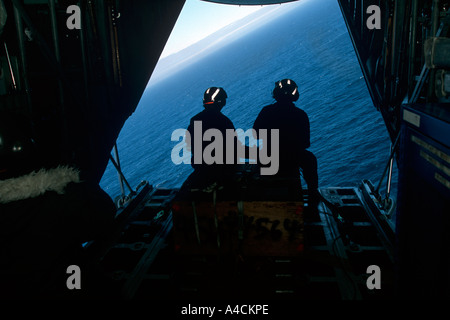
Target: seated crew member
{"type": "Point", "coordinates": [47, 213]}
{"type": "Point", "coordinates": [294, 136]}
{"type": "Point", "coordinates": [207, 171]}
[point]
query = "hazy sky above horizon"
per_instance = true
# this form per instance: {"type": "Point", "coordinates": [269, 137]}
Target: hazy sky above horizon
{"type": "Point", "coordinates": [198, 19]}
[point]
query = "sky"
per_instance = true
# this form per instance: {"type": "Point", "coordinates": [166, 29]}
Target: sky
{"type": "Point", "coordinates": [199, 19]}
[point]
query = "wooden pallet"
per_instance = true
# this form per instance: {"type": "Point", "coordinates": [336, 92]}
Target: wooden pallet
{"type": "Point", "coordinates": [266, 228]}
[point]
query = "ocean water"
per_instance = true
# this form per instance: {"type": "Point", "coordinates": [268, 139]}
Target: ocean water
{"type": "Point", "coordinates": [308, 43]}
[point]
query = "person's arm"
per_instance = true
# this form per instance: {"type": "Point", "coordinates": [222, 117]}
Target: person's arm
{"type": "Point", "coordinates": [304, 131]}
{"type": "Point", "coordinates": [307, 134]}
{"type": "Point", "coordinates": [189, 132]}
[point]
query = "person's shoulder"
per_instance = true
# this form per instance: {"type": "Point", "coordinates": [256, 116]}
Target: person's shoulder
{"type": "Point", "coordinates": [300, 111]}
{"type": "Point", "coordinates": [198, 116]}
{"type": "Point", "coordinates": [226, 120]}
{"type": "Point", "coordinates": [269, 108]}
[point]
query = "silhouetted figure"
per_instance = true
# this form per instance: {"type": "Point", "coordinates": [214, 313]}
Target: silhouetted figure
{"type": "Point", "coordinates": [47, 213]}
{"type": "Point", "coordinates": [209, 159]}
{"type": "Point", "coordinates": [294, 136]}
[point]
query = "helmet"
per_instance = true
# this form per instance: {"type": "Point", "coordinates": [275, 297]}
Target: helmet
{"type": "Point", "coordinates": [214, 95]}
{"type": "Point", "coordinates": [17, 147]}
{"type": "Point", "coordinates": [285, 90]}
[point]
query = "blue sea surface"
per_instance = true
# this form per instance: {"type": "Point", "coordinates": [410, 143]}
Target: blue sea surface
{"type": "Point", "coordinates": [310, 44]}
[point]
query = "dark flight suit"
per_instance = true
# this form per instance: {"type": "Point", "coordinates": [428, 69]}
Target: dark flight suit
{"type": "Point", "coordinates": [294, 139]}
{"type": "Point", "coordinates": [211, 119]}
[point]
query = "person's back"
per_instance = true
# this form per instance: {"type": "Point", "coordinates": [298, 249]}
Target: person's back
{"type": "Point", "coordinates": [210, 118]}
{"type": "Point", "coordinates": [293, 126]}
{"type": "Point", "coordinates": [294, 134]}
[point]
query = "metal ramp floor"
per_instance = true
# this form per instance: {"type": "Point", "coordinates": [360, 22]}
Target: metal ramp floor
{"type": "Point", "coordinates": [332, 264]}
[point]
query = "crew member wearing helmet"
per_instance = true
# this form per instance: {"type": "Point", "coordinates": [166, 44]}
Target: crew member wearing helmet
{"type": "Point", "coordinates": [46, 214]}
{"type": "Point", "coordinates": [294, 135]}
{"type": "Point", "coordinates": [211, 117]}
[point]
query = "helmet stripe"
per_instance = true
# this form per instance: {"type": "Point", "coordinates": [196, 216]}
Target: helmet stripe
{"type": "Point", "coordinates": [213, 97]}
